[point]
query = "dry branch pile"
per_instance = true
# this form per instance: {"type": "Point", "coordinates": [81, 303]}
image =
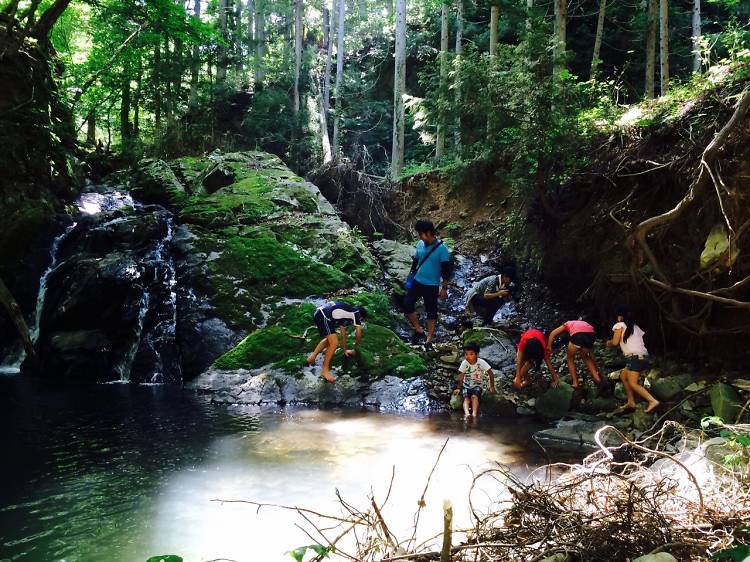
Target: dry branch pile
{"type": "Point", "coordinates": [662, 492]}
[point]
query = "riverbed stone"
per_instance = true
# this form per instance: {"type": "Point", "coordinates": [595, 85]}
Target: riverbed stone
{"type": "Point", "coordinates": [670, 387]}
{"type": "Point", "coordinates": [496, 347]}
{"type": "Point", "coordinates": [394, 256]}
{"type": "Point", "coordinates": [555, 402]}
{"type": "Point", "coordinates": [573, 435]}
{"type": "Point", "coordinates": [658, 557]}
{"type": "Point", "coordinates": [725, 402]}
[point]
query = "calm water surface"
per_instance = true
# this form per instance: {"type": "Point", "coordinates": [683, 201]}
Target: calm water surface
{"type": "Point", "coordinates": [122, 473]}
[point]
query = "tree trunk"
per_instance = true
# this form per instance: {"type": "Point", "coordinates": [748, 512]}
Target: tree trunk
{"type": "Point", "coordinates": [195, 66]}
{"type": "Point", "coordinates": [48, 19]}
{"type": "Point", "coordinates": [440, 145]}
{"type": "Point", "coordinates": [238, 38]}
{"type": "Point", "coordinates": [125, 111]}
{"type": "Point", "coordinates": [561, 35]}
{"type": "Point", "coordinates": [339, 80]}
{"type": "Point", "coordinates": [664, 45]}
{"type": "Point", "coordinates": [11, 307]}
{"type": "Point", "coordinates": [696, 35]}
{"type": "Point", "coordinates": [91, 129]}
{"type": "Point", "coordinates": [324, 140]}
{"type": "Point", "coordinates": [168, 94]}
{"type": "Point", "coordinates": [651, 48]}
{"type": "Point", "coordinates": [137, 99]}
{"type": "Point", "coordinates": [298, 15]}
{"type": "Point", "coordinates": [221, 63]}
{"type": "Point", "coordinates": [260, 44]}
{"type": "Point", "coordinates": [494, 21]}
{"type": "Point", "coordinates": [399, 85]}
{"type": "Point", "coordinates": [328, 41]}
{"type": "Point", "coordinates": [157, 87]}
{"type": "Point", "coordinates": [598, 40]}
{"type": "Point", "coordinates": [250, 37]}
{"type": "Point", "coordinates": [459, 95]}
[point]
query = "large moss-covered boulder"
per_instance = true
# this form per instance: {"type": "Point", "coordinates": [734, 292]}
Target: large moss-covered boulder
{"type": "Point", "coordinates": [555, 402]}
{"type": "Point", "coordinates": [725, 402]}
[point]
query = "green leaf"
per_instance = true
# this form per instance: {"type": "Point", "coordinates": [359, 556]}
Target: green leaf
{"type": "Point", "coordinates": [165, 558]}
{"type": "Point", "coordinates": [737, 554]}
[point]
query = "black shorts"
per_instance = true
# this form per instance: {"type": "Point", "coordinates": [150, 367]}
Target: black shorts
{"type": "Point", "coordinates": [473, 391]}
{"type": "Point", "coordinates": [430, 295]}
{"type": "Point", "coordinates": [583, 339]}
{"type": "Point", "coordinates": [325, 326]}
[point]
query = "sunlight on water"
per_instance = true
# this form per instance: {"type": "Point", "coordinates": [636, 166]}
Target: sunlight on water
{"type": "Point", "coordinates": [301, 461]}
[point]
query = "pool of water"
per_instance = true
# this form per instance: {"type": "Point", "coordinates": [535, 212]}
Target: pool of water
{"type": "Point", "coordinates": [124, 472]}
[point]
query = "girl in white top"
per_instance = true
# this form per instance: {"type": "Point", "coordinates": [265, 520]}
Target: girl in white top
{"type": "Point", "coordinates": [629, 336]}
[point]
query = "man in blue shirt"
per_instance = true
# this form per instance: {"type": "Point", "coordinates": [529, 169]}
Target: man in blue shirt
{"type": "Point", "coordinates": [431, 263]}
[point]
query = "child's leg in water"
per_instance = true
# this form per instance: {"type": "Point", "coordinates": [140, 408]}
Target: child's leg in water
{"type": "Point", "coordinates": [572, 349]}
{"type": "Point", "coordinates": [466, 407]}
{"type": "Point", "coordinates": [474, 405]}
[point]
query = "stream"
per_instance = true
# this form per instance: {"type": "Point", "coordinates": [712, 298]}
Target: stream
{"type": "Point", "coordinates": [124, 472]}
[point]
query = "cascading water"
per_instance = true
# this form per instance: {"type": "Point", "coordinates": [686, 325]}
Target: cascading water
{"type": "Point", "coordinates": [125, 366]}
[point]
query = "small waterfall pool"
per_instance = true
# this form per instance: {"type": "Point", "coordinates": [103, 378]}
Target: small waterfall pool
{"type": "Point", "coordinates": [125, 472]}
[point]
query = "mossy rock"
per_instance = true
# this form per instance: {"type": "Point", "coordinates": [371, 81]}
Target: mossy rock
{"type": "Point", "coordinates": [21, 224]}
{"type": "Point", "coordinates": [155, 182]}
{"type": "Point", "coordinates": [478, 336]}
{"type": "Point", "coordinates": [555, 402]}
{"type": "Point", "coordinates": [378, 306]}
{"type": "Point", "coordinates": [244, 202]}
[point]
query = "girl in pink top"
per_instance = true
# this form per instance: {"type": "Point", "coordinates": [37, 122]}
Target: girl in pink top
{"type": "Point", "coordinates": [581, 343]}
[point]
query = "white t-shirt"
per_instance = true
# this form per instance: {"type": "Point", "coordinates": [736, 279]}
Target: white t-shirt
{"type": "Point", "coordinates": [634, 345]}
{"type": "Point", "coordinates": [473, 374]}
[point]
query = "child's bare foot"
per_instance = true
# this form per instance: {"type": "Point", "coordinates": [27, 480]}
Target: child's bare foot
{"type": "Point", "coordinates": [327, 376]}
{"type": "Point", "coordinates": [653, 406]}
{"type": "Point", "coordinates": [624, 408]}
{"type": "Point", "coordinates": [311, 360]}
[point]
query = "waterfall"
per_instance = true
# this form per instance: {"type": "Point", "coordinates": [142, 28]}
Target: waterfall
{"type": "Point", "coordinates": [123, 368]}
{"type": "Point", "coordinates": [34, 331]}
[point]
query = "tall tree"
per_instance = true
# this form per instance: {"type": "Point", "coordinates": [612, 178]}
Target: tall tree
{"type": "Point", "coordinates": [494, 21]}
{"type": "Point", "coordinates": [250, 36]}
{"type": "Point", "coordinates": [328, 41]}
{"type": "Point", "coordinates": [664, 45]}
{"type": "Point", "coordinates": [239, 38]}
{"type": "Point", "coordinates": [298, 15]}
{"type": "Point", "coordinates": [440, 144]}
{"type": "Point", "coordinates": [696, 35]}
{"type": "Point", "coordinates": [339, 80]}
{"type": "Point", "coordinates": [125, 130]}
{"type": "Point", "coordinates": [598, 38]}
{"type": "Point", "coordinates": [156, 81]}
{"type": "Point", "coordinates": [561, 34]}
{"type": "Point", "coordinates": [458, 85]}
{"type": "Point", "coordinates": [195, 65]}
{"type": "Point", "coordinates": [222, 59]}
{"type": "Point", "coordinates": [651, 48]}
{"type": "Point", "coordinates": [260, 43]}
{"type": "Point", "coordinates": [399, 85]}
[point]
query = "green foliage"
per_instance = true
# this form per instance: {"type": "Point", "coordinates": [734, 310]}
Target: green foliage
{"type": "Point", "coordinates": [165, 558]}
{"type": "Point", "coordinates": [299, 553]}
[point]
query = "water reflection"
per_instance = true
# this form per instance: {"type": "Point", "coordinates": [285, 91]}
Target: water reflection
{"type": "Point", "coordinates": [121, 472]}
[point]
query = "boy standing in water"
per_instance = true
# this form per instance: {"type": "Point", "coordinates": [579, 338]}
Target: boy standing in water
{"type": "Point", "coordinates": [332, 315]}
{"type": "Point", "coordinates": [471, 372]}
{"type": "Point", "coordinates": [581, 343]}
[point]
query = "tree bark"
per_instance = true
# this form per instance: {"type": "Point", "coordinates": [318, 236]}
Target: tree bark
{"type": "Point", "coordinates": [339, 80]}
{"type": "Point", "coordinates": [11, 307]}
{"type": "Point", "coordinates": [91, 129]}
{"type": "Point", "coordinates": [49, 18]}
{"type": "Point", "coordinates": [168, 94]}
{"type": "Point", "coordinates": [561, 35]}
{"type": "Point", "coordinates": [696, 35]}
{"type": "Point", "coordinates": [157, 87]}
{"type": "Point", "coordinates": [598, 40]}
{"type": "Point", "coordinates": [440, 145]}
{"type": "Point", "coordinates": [399, 85]}
{"type": "Point", "coordinates": [125, 131]}
{"type": "Point", "coordinates": [195, 66]}
{"type": "Point", "coordinates": [260, 44]}
{"type": "Point", "coordinates": [328, 41]}
{"type": "Point", "coordinates": [298, 14]}
{"type": "Point", "coordinates": [250, 37]}
{"type": "Point", "coordinates": [221, 63]}
{"type": "Point", "coordinates": [137, 99]}
{"type": "Point", "coordinates": [239, 38]}
{"type": "Point", "coordinates": [651, 48]}
{"type": "Point", "coordinates": [494, 22]}
{"type": "Point", "coordinates": [664, 45]}
{"type": "Point", "coordinates": [459, 94]}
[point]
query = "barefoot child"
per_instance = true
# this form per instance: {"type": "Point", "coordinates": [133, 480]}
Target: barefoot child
{"type": "Point", "coordinates": [581, 343]}
{"type": "Point", "coordinates": [332, 315]}
{"type": "Point", "coordinates": [531, 350]}
{"type": "Point", "coordinates": [470, 374]}
{"type": "Point", "coordinates": [629, 336]}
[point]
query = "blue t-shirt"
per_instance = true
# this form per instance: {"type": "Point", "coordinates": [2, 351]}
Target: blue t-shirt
{"type": "Point", "coordinates": [429, 273]}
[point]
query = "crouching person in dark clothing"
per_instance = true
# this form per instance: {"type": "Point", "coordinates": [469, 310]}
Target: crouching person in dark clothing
{"type": "Point", "coordinates": [328, 318]}
{"type": "Point", "coordinates": [489, 294]}
{"type": "Point", "coordinates": [432, 267]}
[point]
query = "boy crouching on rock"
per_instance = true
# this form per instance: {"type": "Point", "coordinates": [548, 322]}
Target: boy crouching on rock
{"type": "Point", "coordinates": [470, 374]}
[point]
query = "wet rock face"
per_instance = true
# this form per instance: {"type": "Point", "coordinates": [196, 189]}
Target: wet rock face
{"type": "Point", "coordinates": [109, 308]}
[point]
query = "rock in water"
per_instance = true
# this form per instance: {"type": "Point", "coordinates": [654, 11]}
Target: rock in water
{"type": "Point", "coordinates": [659, 557]}
{"type": "Point", "coordinates": [669, 388]}
{"type": "Point", "coordinates": [555, 402]}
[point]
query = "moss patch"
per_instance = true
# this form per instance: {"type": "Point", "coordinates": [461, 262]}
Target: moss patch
{"type": "Point", "coordinates": [244, 202]}
{"type": "Point", "coordinates": [262, 260]}
{"type": "Point", "coordinates": [479, 337]}
{"type": "Point", "coordinates": [378, 305]}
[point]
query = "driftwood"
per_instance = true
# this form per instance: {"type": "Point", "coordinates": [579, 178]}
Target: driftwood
{"type": "Point", "coordinates": [11, 307]}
